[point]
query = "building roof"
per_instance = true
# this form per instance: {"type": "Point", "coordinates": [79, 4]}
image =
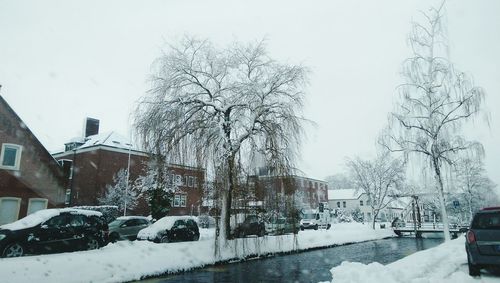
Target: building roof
{"type": "Point", "coordinates": [112, 139]}
{"type": "Point", "coordinates": [344, 194]}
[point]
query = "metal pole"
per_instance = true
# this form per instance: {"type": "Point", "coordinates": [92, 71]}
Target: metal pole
{"type": "Point", "coordinates": [128, 176]}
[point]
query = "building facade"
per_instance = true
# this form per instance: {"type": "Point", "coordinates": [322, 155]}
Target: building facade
{"type": "Point", "coordinates": [30, 178]}
{"type": "Point", "coordinates": [96, 160]}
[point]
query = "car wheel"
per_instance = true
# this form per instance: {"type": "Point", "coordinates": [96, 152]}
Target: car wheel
{"type": "Point", "coordinates": [196, 237]}
{"type": "Point", "coordinates": [164, 239]}
{"type": "Point", "coordinates": [113, 237]}
{"type": "Point", "coordinates": [316, 227]}
{"type": "Point", "coordinates": [92, 244]}
{"type": "Point", "coordinates": [328, 227]}
{"type": "Point", "coordinates": [13, 250]}
{"type": "Point", "coordinates": [474, 270]}
{"type": "Point", "coordinates": [301, 228]}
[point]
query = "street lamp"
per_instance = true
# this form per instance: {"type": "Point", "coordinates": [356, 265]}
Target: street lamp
{"type": "Point", "coordinates": [128, 177]}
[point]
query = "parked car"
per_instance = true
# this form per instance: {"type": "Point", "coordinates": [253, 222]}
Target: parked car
{"type": "Point", "coordinates": [251, 226]}
{"type": "Point", "coordinates": [282, 225]}
{"type": "Point", "coordinates": [206, 221]}
{"type": "Point", "coordinates": [53, 230]}
{"type": "Point", "coordinates": [313, 219]}
{"type": "Point", "coordinates": [483, 240]}
{"type": "Point", "coordinates": [171, 229]}
{"type": "Point", "coordinates": [127, 227]}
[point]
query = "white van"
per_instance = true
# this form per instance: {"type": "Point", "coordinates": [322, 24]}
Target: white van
{"type": "Point", "coordinates": [313, 219]}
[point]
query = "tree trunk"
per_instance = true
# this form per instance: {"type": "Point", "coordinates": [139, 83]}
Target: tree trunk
{"type": "Point", "coordinates": [226, 211]}
{"type": "Point", "coordinates": [444, 214]}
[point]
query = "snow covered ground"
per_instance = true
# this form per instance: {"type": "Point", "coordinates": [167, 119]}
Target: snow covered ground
{"type": "Point", "coordinates": [125, 261]}
{"type": "Point", "coordinates": [444, 263]}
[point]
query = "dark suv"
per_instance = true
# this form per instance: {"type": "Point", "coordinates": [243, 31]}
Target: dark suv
{"type": "Point", "coordinates": [251, 226]}
{"type": "Point", "coordinates": [53, 230]}
{"type": "Point", "coordinates": [483, 240]}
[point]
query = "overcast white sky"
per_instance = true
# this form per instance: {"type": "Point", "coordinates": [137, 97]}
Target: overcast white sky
{"type": "Point", "coordinates": [61, 61]}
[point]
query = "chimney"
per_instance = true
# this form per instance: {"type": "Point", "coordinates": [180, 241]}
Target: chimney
{"type": "Point", "coordinates": [91, 127]}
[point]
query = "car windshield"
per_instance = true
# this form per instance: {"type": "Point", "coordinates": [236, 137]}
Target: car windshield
{"type": "Point", "coordinates": [310, 216]}
{"type": "Point", "coordinates": [116, 222]}
{"type": "Point", "coordinates": [487, 221]}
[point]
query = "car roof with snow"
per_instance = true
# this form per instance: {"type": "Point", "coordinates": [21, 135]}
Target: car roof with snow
{"type": "Point", "coordinates": [43, 215]}
{"type": "Point", "coordinates": [132, 217]}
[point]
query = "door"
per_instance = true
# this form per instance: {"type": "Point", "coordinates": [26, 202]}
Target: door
{"type": "Point", "coordinates": [53, 233]}
{"type": "Point", "coordinates": [178, 230]}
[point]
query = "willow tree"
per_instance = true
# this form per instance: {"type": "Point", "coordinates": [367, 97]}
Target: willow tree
{"type": "Point", "coordinates": [220, 107]}
{"type": "Point", "coordinates": [435, 101]}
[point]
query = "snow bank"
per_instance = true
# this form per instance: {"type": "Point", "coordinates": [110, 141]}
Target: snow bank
{"type": "Point", "coordinates": [444, 263]}
{"type": "Point", "coordinates": [126, 261]}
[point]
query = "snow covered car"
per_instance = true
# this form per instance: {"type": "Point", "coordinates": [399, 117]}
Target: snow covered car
{"type": "Point", "coordinates": [53, 230]}
{"type": "Point", "coordinates": [483, 240]}
{"type": "Point", "coordinates": [127, 227]}
{"type": "Point", "coordinates": [282, 225]}
{"type": "Point", "coordinates": [251, 226]}
{"type": "Point", "coordinates": [171, 229]}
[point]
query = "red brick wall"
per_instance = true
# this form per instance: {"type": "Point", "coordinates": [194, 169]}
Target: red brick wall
{"type": "Point", "coordinates": [95, 169]}
{"type": "Point", "coordinates": [39, 175]}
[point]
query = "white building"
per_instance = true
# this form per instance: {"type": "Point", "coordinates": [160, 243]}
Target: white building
{"type": "Point", "coordinates": [352, 199]}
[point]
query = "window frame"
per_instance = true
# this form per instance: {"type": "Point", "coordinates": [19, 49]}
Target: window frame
{"type": "Point", "coordinates": [36, 199]}
{"type": "Point", "coordinates": [18, 204]}
{"type": "Point", "coordinates": [17, 161]}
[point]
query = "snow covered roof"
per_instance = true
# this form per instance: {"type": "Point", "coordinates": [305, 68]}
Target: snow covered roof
{"type": "Point", "coordinates": [112, 139]}
{"type": "Point", "coordinates": [344, 194]}
{"type": "Point", "coordinates": [43, 215]}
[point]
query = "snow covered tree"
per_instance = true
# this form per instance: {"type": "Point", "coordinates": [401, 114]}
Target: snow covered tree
{"type": "Point", "coordinates": [473, 187]}
{"type": "Point", "coordinates": [158, 186]}
{"type": "Point", "coordinates": [378, 179]}
{"type": "Point", "coordinates": [119, 193]}
{"type": "Point", "coordinates": [339, 181]}
{"type": "Point", "coordinates": [219, 107]}
{"type": "Point", "coordinates": [434, 102]}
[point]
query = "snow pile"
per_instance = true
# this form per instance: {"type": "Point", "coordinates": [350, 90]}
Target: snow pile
{"type": "Point", "coordinates": [444, 263]}
{"type": "Point", "coordinates": [127, 261]}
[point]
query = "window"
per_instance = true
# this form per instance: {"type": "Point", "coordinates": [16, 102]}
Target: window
{"type": "Point", "coordinates": [57, 221]}
{"type": "Point", "coordinates": [191, 181]}
{"type": "Point", "coordinates": [77, 220]}
{"type": "Point", "coordinates": [368, 202]}
{"type": "Point", "coordinates": [360, 203]}
{"type": "Point", "coordinates": [344, 205]}
{"type": "Point", "coordinates": [9, 209]}
{"type": "Point", "coordinates": [338, 204]}
{"type": "Point", "coordinates": [178, 180]}
{"type": "Point", "coordinates": [179, 201]}
{"type": "Point", "coordinates": [10, 156]}
{"type": "Point", "coordinates": [36, 204]}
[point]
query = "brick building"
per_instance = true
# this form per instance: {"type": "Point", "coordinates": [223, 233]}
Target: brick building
{"type": "Point", "coordinates": [269, 191]}
{"type": "Point", "coordinates": [97, 158]}
{"type": "Point", "coordinates": [30, 178]}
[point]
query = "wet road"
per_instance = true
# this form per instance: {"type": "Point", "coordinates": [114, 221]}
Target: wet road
{"type": "Point", "coordinates": [311, 266]}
